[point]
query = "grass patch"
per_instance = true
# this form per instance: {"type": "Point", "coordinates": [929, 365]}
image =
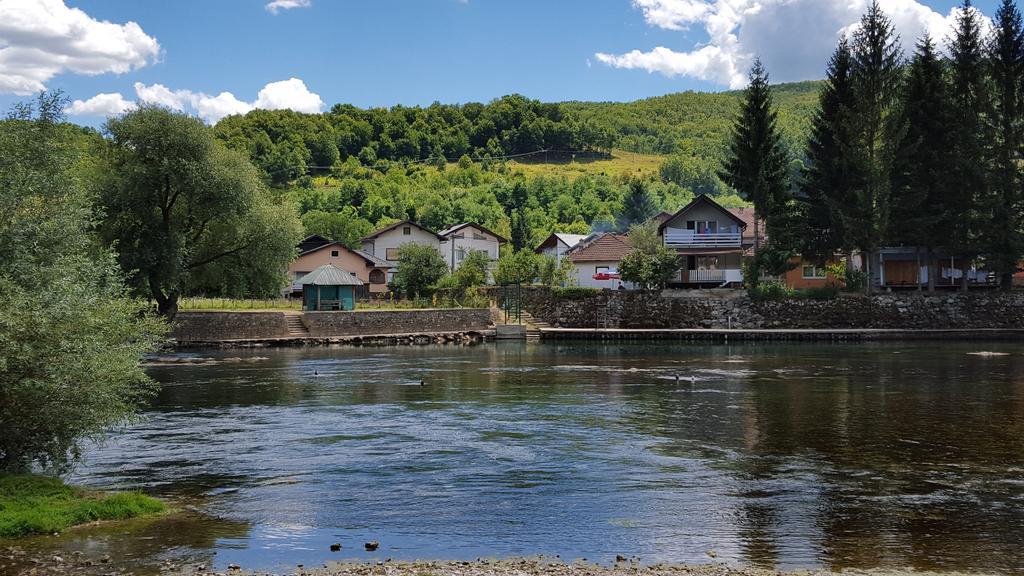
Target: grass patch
{"type": "Point", "coordinates": [621, 163]}
{"type": "Point", "coordinates": [41, 505]}
{"type": "Point", "coordinates": [263, 305]}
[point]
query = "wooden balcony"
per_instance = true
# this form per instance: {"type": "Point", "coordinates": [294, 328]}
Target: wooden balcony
{"type": "Point", "coordinates": [677, 238]}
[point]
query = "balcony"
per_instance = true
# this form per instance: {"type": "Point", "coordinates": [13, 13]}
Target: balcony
{"type": "Point", "coordinates": [713, 276]}
{"type": "Point", "coordinates": [677, 238]}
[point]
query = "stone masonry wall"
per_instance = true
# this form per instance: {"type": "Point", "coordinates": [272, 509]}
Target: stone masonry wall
{"type": "Point", "coordinates": [629, 309]}
{"type": "Point", "coordinates": [211, 326]}
{"type": "Point", "coordinates": [369, 322]}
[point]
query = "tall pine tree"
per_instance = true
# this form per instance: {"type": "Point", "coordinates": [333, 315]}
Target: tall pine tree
{"type": "Point", "coordinates": [1002, 239]}
{"type": "Point", "coordinates": [757, 164]}
{"type": "Point", "coordinates": [922, 158]}
{"type": "Point", "coordinates": [876, 128]}
{"type": "Point", "coordinates": [967, 176]}
{"type": "Point", "coordinates": [824, 186]}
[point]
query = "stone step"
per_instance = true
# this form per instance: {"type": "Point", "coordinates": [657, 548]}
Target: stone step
{"type": "Point", "coordinates": [295, 325]}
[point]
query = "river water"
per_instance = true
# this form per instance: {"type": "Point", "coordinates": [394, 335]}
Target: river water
{"type": "Point", "coordinates": [872, 455]}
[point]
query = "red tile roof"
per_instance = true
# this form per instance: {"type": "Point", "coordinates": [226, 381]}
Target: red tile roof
{"type": "Point", "coordinates": [604, 248]}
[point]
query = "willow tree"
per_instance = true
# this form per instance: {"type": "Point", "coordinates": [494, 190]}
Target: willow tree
{"type": "Point", "coordinates": [182, 209]}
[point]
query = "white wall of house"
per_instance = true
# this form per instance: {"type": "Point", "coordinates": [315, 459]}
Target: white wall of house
{"type": "Point", "coordinates": [585, 274]}
{"type": "Point", "coordinates": [704, 213]}
{"type": "Point", "coordinates": [460, 242]}
{"type": "Point", "coordinates": [386, 245]}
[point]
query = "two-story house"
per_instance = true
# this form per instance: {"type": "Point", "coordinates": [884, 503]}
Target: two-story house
{"type": "Point", "coordinates": [459, 240]}
{"type": "Point", "coordinates": [710, 241]}
{"type": "Point", "coordinates": [384, 243]}
{"type": "Point", "coordinates": [316, 251]}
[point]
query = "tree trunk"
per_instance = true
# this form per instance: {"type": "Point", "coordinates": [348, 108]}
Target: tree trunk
{"type": "Point", "coordinates": [166, 304]}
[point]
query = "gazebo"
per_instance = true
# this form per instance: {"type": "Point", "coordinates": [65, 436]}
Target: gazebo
{"type": "Point", "coordinates": [328, 288]}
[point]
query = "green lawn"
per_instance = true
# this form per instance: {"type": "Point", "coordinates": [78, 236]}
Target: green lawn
{"type": "Point", "coordinates": [238, 305]}
{"type": "Point", "coordinates": [41, 505]}
{"type": "Point", "coordinates": [620, 164]}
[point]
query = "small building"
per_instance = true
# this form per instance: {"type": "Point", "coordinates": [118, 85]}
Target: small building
{"type": "Point", "coordinates": [328, 288]}
{"type": "Point", "coordinates": [597, 261]}
{"type": "Point", "coordinates": [460, 239]}
{"type": "Point", "coordinates": [315, 251]}
{"type": "Point", "coordinates": [558, 244]}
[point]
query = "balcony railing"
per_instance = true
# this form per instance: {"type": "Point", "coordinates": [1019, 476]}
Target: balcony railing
{"type": "Point", "coordinates": [676, 238]}
{"type": "Point", "coordinates": [714, 276]}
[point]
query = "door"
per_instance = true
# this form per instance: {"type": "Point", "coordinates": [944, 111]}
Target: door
{"type": "Point", "coordinates": [346, 297]}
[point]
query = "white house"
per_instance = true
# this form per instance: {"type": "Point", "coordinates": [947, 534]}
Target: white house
{"type": "Point", "coordinates": [458, 240]}
{"type": "Point", "coordinates": [385, 243]}
{"type": "Point", "coordinates": [597, 260]}
{"type": "Point", "coordinates": [710, 241]}
{"type": "Point", "coordinates": [558, 244]}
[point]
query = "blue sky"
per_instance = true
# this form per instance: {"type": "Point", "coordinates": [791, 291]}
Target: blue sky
{"type": "Point", "coordinates": [386, 52]}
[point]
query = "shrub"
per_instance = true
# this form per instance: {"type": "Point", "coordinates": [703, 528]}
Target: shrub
{"type": "Point", "coordinates": [769, 291]}
{"type": "Point", "coordinates": [829, 292]}
{"type": "Point", "coordinates": [419, 268]}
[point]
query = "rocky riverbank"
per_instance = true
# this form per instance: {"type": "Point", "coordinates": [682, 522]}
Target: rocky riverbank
{"type": "Point", "coordinates": [85, 566]}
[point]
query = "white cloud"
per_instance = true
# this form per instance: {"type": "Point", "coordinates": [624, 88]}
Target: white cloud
{"type": "Point", "coordinates": [108, 104]}
{"type": "Point", "coordinates": [42, 38]}
{"type": "Point", "coordinates": [793, 37]}
{"type": "Point", "coordinates": [277, 5]}
{"type": "Point", "coordinates": [291, 94]}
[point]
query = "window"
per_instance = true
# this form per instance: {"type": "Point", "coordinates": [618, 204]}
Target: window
{"type": "Point", "coordinates": [703, 226]}
{"type": "Point", "coordinates": [707, 262]}
{"type": "Point", "coordinates": [391, 277]}
{"type": "Point", "coordinates": [407, 231]}
{"type": "Point", "coordinates": [479, 236]}
{"type": "Point", "coordinates": [376, 277]}
{"type": "Point", "coordinates": [460, 254]}
{"type": "Point", "coordinates": [811, 272]}
{"type": "Point", "coordinates": [600, 269]}
{"type": "Point", "coordinates": [391, 254]}
{"type": "Point", "coordinates": [334, 253]}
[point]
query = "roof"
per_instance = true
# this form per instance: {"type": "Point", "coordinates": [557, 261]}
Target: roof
{"type": "Point", "coordinates": [310, 243]}
{"type": "Point", "coordinates": [748, 216]}
{"type": "Point", "coordinates": [570, 240]}
{"type": "Point", "coordinates": [603, 248]}
{"type": "Point", "coordinates": [370, 259]}
{"type": "Point", "coordinates": [396, 225]}
{"type": "Point", "coordinates": [661, 217]}
{"type": "Point", "coordinates": [702, 199]}
{"type": "Point", "coordinates": [457, 227]}
{"type": "Point", "coordinates": [329, 275]}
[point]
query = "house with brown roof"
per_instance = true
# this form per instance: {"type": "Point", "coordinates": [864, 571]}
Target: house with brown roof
{"type": "Point", "coordinates": [317, 251]}
{"type": "Point", "coordinates": [711, 242]}
{"type": "Point", "coordinates": [597, 260]}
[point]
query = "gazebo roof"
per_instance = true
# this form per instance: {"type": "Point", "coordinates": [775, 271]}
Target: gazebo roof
{"type": "Point", "coordinates": [329, 275]}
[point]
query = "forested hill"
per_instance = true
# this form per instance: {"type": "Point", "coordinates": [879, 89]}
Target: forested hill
{"type": "Point", "coordinates": [693, 122]}
{"type": "Point", "coordinates": [287, 145]}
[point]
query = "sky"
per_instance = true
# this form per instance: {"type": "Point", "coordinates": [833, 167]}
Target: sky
{"type": "Point", "coordinates": [211, 58]}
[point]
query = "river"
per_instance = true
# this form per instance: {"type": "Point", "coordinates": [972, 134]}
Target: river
{"type": "Point", "coordinates": [868, 455]}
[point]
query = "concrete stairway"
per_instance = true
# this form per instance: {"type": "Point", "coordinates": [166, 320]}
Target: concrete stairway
{"type": "Point", "coordinates": [533, 326]}
{"type": "Point", "coordinates": [296, 329]}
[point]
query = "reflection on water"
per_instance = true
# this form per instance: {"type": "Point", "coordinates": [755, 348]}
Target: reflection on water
{"type": "Point", "coordinates": [783, 456]}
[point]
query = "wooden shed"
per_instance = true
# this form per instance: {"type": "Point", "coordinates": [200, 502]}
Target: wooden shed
{"type": "Point", "coordinates": [328, 288]}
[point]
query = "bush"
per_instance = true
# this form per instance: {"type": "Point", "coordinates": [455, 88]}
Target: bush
{"type": "Point", "coordinates": [770, 291]}
{"type": "Point", "coordinates": [574, 293]}
{"type": "Point", "coordinates": [419, 268]}
{"type": "Point", "coordinates": [516, 268]}
{"type": "Point", "coordinates": [829, 292]}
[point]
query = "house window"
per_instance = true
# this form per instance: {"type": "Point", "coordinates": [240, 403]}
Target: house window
{"type": "Point", "coordinates": [600, 269]}
{"type": "Point", "coordinates": [391, 254]}
{"type": "Point", "coordinates": [407, 231]}
{"type": "Point", "coordinates": [391, 277]}
{"type": "Point", "coordinates": [703, 226]}
{"type": "Point", "coordinates": [334, 253]}
{"type": "Point", "coordinates": [707, 263]}
{"type": "Point", "coordinates": [376, 277]}
{"type": "Point", "coordinates": [479, 236]}
{"type": "Point", "coordinates": [460, 254]}
{"type": "Point", "coordinates": [811, 272]}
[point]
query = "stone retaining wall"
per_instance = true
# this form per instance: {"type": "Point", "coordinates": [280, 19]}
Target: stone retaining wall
{"type": "Point", "coordinates": [628, 309]}
{"type": "Point", "coordinates": [212, 326]}
{"type": "Point", "coordinates": [370, 322]}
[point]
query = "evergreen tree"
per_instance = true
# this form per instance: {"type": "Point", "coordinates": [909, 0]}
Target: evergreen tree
{"type": "Point", "coordinates": [922, 157]}
{"type": "Point", "coordinates": [757, 164]}
{"type": "Point", "coordinates": [875, 127]}
{"type": "Point", "coordinates": [825, 183]}
{"type": "Point", "coordinates": [967, 180]}
{"type": "Point", "coordinates": [1002, 236]}
{"type": "Point", "coordinates": [637, 206]}
{"type": "Point", "coordinates": [521, 232]}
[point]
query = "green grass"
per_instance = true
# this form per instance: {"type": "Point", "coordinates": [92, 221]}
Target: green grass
{"type": "Point", "coordinates": [199, 304]}
{"type": "Point", "coordinates": [621, 163]}
{"type": "Point", "coordinates": [41, 505]}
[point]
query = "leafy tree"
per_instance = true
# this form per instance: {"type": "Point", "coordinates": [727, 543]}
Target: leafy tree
{"type": "Point", "coordinates": [522, 233]}
{"type": "Point", "coordinates": [876, 127]}
{"type": "Point", "coordinates": [177, 201]}
{"type": "Point", "coordinates": [649, 263]}
{"type": "Point", "coordinates": [966, 176]}
{"type": "Point", "coordinates": [516, 268]}
{"type": "Point", "coordinates": [346, 226]}
{"type": "Point", "coordinates": [757, 165]}
{"type": "Point", "coordinates": [472, 271]}
{"type": "Point", "coordinates": [419, 267]}
{"type": "Point", "coordinates": [825, 184]}
{"type": "Point", "coordinates": [1004, 233]}
{"type": "Point", "coordinates": [323, 150]}
{"type": "Point", "coordinates": [923, 157]}
{"type": "Point", "coordinates": [637, 206]}
{"type": "Point", "coordinates": [556, 273]}
{"type": "Point", "coordinates": [71, 339]}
